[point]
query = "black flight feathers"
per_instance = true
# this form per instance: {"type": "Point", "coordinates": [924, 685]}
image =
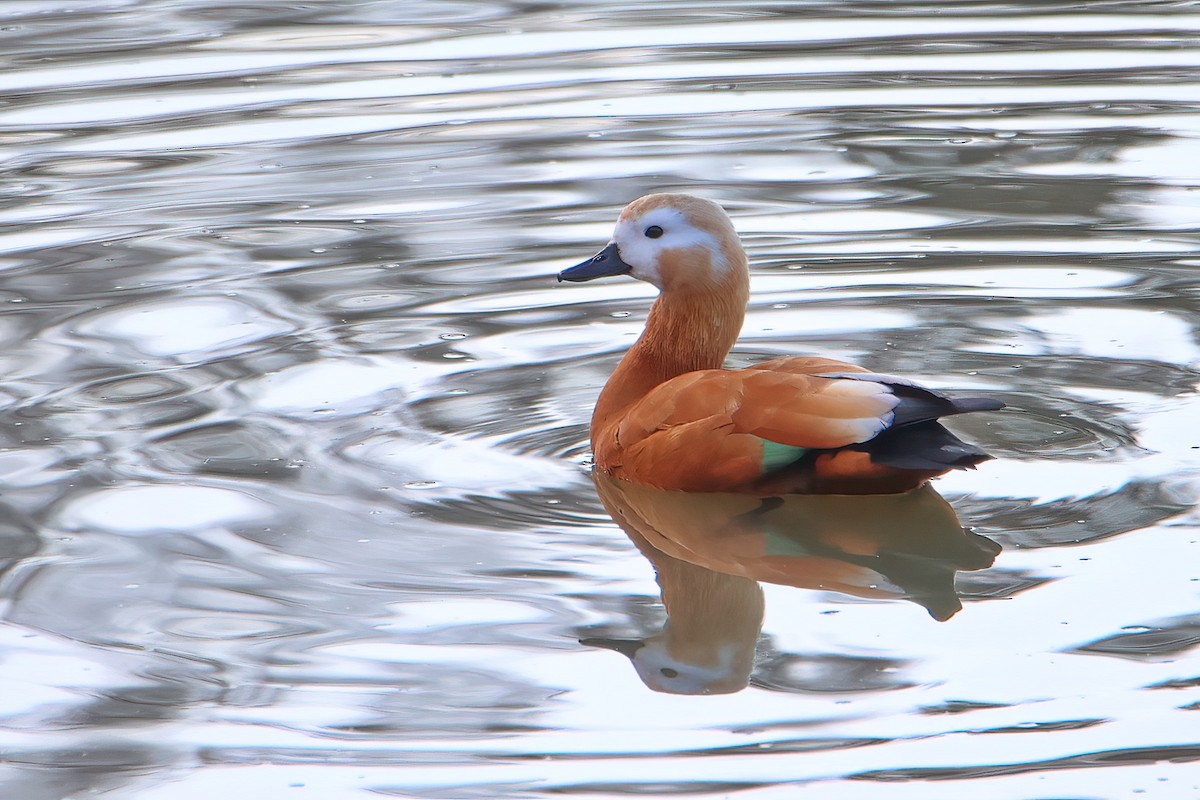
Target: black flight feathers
{"type": "Point", "coordinates": [915, 440]}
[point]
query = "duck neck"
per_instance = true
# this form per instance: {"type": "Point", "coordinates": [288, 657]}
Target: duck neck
{"type": "Point", "coordinates": [685, 331]}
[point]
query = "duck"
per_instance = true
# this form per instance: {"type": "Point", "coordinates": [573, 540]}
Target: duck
{"type": "Point", "coordinates": [671, 416]}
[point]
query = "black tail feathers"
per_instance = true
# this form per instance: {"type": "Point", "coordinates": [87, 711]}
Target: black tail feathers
{"type": "Point", "coordinates": [918, 404]}
{"type": "Point", "coordinates": [965, 405]}
{"type": "Point", "coordinates": [925, 446]}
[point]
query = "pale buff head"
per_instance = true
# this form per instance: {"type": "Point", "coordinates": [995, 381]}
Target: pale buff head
{"type": "Point", "coordinates": [676, 242]}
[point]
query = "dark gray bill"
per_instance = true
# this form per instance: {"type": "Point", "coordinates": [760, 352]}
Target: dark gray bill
{"type": "Point", "coordinates": [606, 262]}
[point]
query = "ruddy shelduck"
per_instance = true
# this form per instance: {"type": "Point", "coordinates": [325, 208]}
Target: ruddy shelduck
{"type": "Point", "coordinates": [671, 417]}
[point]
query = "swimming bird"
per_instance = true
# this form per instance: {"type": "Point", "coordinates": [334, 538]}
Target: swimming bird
{"type": "Point", "coordinates": [672, 417]}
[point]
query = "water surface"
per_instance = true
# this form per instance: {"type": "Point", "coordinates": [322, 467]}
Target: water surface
{"type": "Point", "coordinates": [295, 465]}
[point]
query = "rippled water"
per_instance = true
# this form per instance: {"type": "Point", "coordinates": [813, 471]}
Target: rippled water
{"type": "Point", "coordinates": [294, 463]}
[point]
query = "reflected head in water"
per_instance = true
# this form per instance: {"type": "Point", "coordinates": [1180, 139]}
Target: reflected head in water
{"type": "Point", "coordinates": [708, 643]}
{"type": "Point", "coordinates": [709, 551]}
{"type": "Point", "coordinates": [672, 418]}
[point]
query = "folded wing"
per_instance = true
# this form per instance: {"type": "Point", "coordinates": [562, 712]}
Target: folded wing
{"type": "Point", "coordinates": [785, 422]}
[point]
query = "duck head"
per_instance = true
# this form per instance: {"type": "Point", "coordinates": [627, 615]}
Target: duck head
{"type": "Point", "coordinates": [672, 241]}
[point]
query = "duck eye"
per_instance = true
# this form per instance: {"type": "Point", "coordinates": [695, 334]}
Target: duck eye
{"type": "Point", "coordinates": [653, 232]}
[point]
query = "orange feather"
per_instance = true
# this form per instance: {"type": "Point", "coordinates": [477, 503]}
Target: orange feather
{"type": "Point", "coordinates": [672, 418]}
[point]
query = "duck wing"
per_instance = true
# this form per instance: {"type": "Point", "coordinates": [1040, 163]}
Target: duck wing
{"type": "Point", "coordinates": [779, 424]}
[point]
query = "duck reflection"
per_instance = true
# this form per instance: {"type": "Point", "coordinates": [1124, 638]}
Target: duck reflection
{"type": "Point", "coordinates": [710, 550]}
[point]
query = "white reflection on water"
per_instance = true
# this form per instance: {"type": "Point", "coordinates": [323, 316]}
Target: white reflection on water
{"type": "Point", "coordinates": [190, 327]}
{"type": "Point", "coordinates": [147, 509]}
{"type": "Point", "coordinates": [293, 433]}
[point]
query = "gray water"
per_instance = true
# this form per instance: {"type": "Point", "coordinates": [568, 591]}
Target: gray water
{"type": "Point", "coordinates": [294, 467]}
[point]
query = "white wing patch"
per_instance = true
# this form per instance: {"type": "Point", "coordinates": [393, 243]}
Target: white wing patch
{"type": "Point", "coordinates": [872, 405]}
{"type": "Point", "coordinates": [876, 377]}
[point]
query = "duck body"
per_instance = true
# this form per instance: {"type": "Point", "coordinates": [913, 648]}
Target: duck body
{"type": "Point", "coordinates": [671, 417]}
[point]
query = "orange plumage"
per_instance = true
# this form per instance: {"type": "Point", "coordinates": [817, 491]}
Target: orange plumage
{"type": "Point", "coordinates": [672, 418]}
